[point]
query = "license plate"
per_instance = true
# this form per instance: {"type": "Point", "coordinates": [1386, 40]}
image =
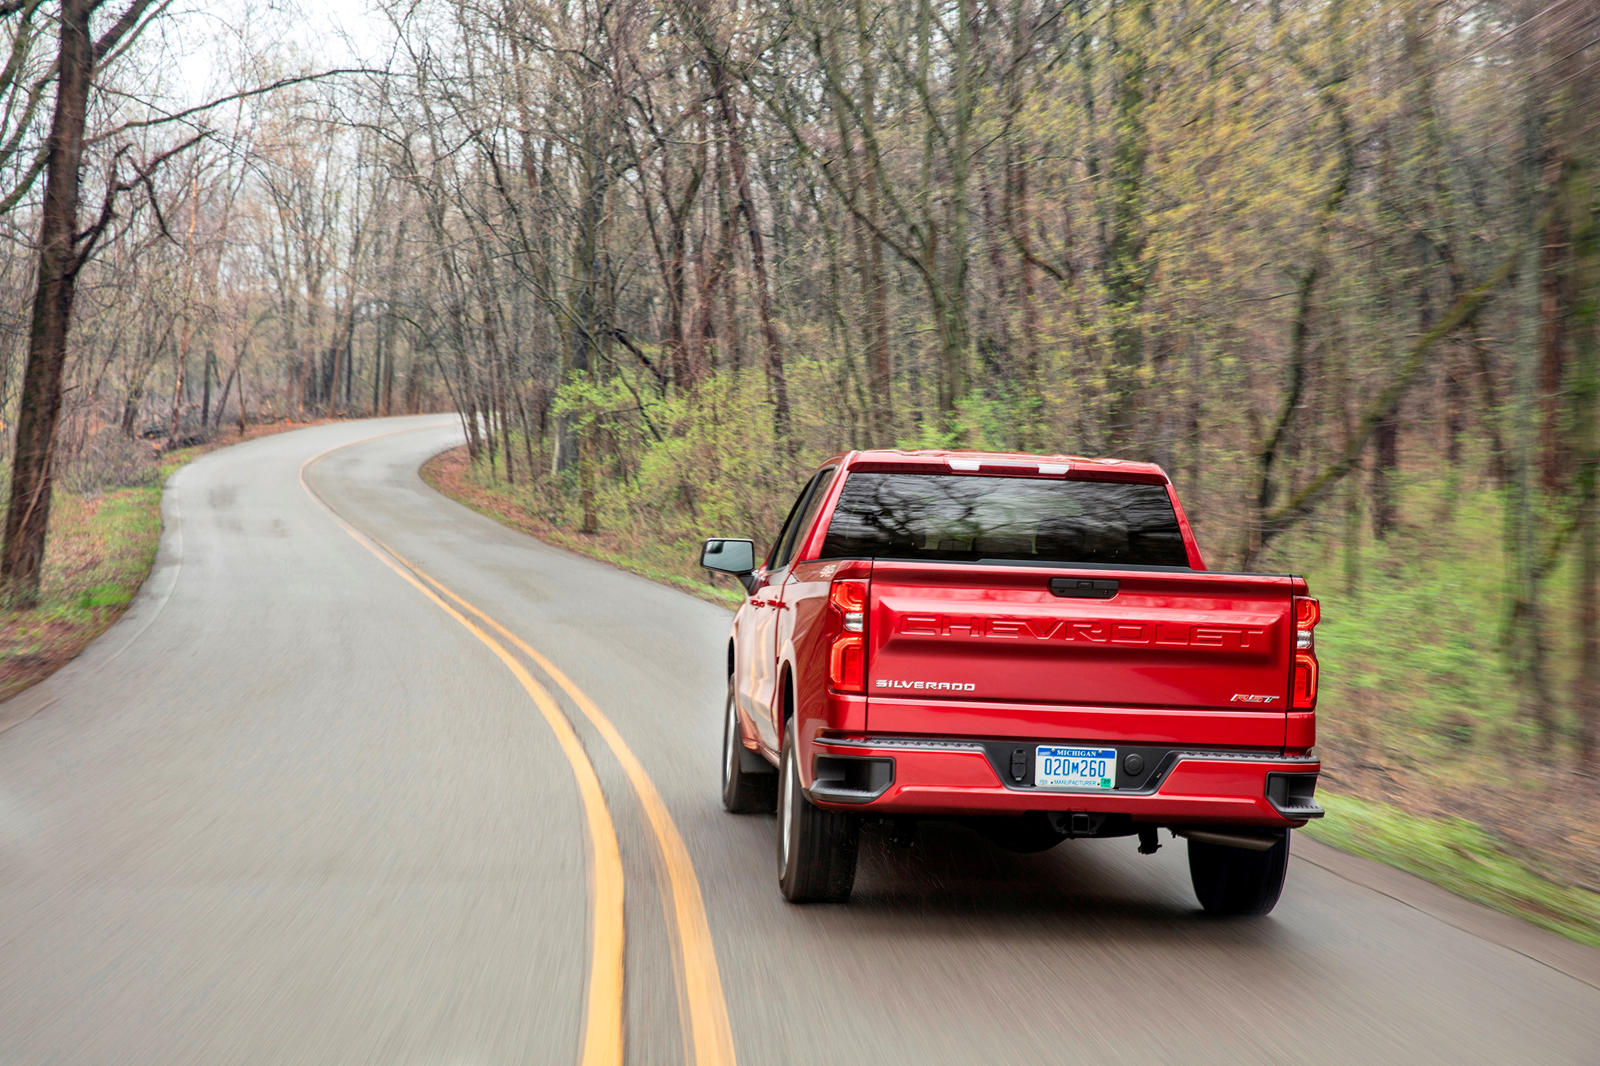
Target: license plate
{"type": "Point", "coordinates": [1091, 769]}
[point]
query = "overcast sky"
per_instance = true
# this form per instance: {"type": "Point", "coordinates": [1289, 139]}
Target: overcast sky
{"type": "Point", "coordinates": [208, 39]}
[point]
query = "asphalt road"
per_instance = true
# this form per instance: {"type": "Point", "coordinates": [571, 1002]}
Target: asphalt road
{"type": "Point", "coordinates": [293, 809]}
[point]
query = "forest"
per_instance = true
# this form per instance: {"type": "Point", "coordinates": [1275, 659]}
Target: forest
{"type": "Point", "coordinates": [1334, 264]}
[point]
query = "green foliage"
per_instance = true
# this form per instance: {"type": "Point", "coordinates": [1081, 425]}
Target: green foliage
{"type": "Point", "coordinates": [1413, 655]}
{"type": "Point", "coordinates": [715, 469]}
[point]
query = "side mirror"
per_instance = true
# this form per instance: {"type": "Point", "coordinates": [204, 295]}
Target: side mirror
{"type": "Point", "coordinates": [736, 557]}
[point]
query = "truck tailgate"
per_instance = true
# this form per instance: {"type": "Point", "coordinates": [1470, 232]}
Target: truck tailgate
{"type": "Point", "coordinates": [1190, 643]}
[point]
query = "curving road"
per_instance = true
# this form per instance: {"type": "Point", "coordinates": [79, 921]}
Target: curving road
{"type": "Point", "coordinates": [308, 802]}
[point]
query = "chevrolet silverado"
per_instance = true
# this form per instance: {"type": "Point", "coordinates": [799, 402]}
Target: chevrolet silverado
{"type": "Point", "coordinates": [1032, 644]}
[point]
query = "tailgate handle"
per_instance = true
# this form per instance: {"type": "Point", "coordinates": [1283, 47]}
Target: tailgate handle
{"type": "Point", "coordinates": [1083, 588]}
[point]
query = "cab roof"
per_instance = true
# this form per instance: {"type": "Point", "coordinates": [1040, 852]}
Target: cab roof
{"type": "Point", "coordinates": [1002, 463]}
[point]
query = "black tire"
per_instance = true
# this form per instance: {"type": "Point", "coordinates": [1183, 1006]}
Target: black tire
{"type": "Point", "coordinates": [816, 848]}
{"type": "Point", "coordinates": [749, 785]}
{"type": "Point", "coordinates": [1238, 882]}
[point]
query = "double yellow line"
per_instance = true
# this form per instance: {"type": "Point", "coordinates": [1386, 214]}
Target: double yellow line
{"type": "Point", "coordinates": [706, 1021]}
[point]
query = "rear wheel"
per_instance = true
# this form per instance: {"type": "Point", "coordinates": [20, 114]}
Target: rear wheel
{"type": "Point", "coordinates": [746, 789]}
{"type": "Point", "coordinates": [1238, 882]}
{"type": "Point", "coordinates": [816, 848]}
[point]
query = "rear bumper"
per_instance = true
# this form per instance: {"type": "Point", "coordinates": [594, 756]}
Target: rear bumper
{"type": "Point", "coordinates": [913, 775]}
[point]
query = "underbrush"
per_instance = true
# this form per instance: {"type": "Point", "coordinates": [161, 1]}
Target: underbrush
{"type": "Point", "coordinates": [1432, 761]}
{"type": "Point", "coordinates": [699, 466]}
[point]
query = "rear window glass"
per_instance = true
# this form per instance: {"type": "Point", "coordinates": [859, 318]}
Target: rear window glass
{"type": "Point", "coordinates": [972, 518]}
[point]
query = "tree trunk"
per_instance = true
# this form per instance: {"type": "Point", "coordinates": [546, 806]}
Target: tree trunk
{"type": "Point", "coordinates": [1456, 403]}
{"type": "Point", "coordinates": [868, 248]}
{"type": "Point", "coordinates": [1032, 435]}
{"type": "Point", "coordinates": [180, 367]}
{"type": "Point", "coordinates": [239, 367]}
{"type": "Point", "coordinates": [1385, 461]}
{"type": "Point", "coordinates": [1124, 251]}
{"type": "Point", "coordinates": [227, 387]}
{"type": "Point", "coordinates": [1555, 312]}
{"type": "Point", "coordinates": [1524, 617]}
{"type": "Point", "coordinates": [28, 511]}
{"type": "Point", "coordinates": [379, 351]}
{"type": "Point", "coordinates": [1585, 206]}
{"type": "Point", "coordinates": [130, 411]}
{"type": "Point", "coordinates": [777, 382]}
{"type": "Point", "coordinates": [205, 389]}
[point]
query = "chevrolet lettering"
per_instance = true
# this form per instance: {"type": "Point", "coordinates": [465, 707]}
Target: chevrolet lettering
{"type": "Point", "coordinates": [1030, 644]}
{"type": "Point", "coordinates": [1089, 631]}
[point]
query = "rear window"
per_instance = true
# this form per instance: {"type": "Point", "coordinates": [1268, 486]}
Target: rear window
{"type": "Point", "coordinates": [973, 518]}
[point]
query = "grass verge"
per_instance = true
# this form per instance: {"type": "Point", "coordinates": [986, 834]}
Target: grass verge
{"type": "Point", "coordinates": [1460, 856]}
{"type": "Point", "coordinates": [100, 550]}
{"type": "Point", "coordinates": [450, 473]}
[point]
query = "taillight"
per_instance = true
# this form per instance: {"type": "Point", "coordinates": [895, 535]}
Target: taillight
{"type": "Point", "coordinates": [847, 659]}
{"type": "Point", "coordinates": [1307, 613]}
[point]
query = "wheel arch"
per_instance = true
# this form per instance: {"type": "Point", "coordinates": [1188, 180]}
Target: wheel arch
{"type": "Point", "coordinates": [786, 695]}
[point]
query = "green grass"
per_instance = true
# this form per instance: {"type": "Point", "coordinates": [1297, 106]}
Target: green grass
{"type": "Point", "coordinates": [1460, 856]}
{"type": "Point", "coordinates": [99, 550]}
{"type": "Point", "coordinates": [106, 595]}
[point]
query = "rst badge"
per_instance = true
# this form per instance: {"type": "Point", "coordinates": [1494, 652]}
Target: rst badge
{"type": "Point", "coordinates": [1251, 697]}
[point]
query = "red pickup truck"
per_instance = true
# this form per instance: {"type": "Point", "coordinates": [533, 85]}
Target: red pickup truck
{"type": "Point", "coordinates": [1030, 643]}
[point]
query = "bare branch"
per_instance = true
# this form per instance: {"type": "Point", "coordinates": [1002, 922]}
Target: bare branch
{"type": "Point", "coordinates": [126, 26]}
{"type": "Point", "coordinates": [141, 178]}
{"type": "Point", "coordinates": [242, 94]}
